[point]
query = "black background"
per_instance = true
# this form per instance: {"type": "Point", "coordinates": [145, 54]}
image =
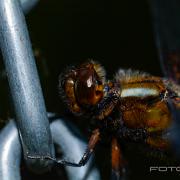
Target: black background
{"type": "Point", "coordinates": [115, 33]}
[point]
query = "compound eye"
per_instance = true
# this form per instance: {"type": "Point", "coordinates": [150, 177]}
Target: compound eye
{"type": "Point", "coordinates": [89, 86]}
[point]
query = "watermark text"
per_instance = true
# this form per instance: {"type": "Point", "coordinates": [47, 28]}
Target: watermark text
{"type": "Point", "coordinates": [164, 169]}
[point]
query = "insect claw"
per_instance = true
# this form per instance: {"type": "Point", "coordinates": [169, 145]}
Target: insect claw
{"type": "Point", "coordinates": [42, 157]}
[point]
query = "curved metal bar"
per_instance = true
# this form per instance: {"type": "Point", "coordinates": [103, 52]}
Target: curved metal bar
{"type": "Point", "coordinates": [165, 19]}
{"type": "Point", "coordinates": [70, 142]}
{"type": "Point", "coordinates": [174, 130]}
{"type": "Point", "coordinates": [10, 155]}
{"type": "Point", "coordinates": [25, 87]}
{"type": "Point", "coordinates": [73, 148]}
{"type": "Point", "coordinates": [27, 5]}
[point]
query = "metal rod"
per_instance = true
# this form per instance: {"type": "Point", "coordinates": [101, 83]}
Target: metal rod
{"type": "Point", "coordinates": [69, 140]}
{"type": "Point", "coordinates": [10, 156]}
{"type": "Point", "coordinates": [27, 5]}
{"type": "Point", "coordinates": [174, 130]}
{"type": "Point", "coordinates": [25, 87]}
{"type": "Point", "coordinates": [165, 19]}
{"type": "Point", "coordinates": [72, 148]}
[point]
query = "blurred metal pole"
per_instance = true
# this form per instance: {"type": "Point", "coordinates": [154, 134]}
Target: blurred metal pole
{"type": "Point", "coordinates": [25, 87]}
{"type": "Point", "coordinates": [166, 24]}
{"type": "Point", "coordinates": [165, 21]}
{"type": "Point", "coordinates": [27, 5]}
{"type": "Point", "coordinates": [73, 148]}
{"type": "Point", "coordinates": [65, 135]}
{"type": "Point", "coordinates": [175, 129]}
{"type": "Point", "coordinates": [10, 156]}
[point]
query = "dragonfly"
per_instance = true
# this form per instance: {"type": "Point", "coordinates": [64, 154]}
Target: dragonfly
{"type": "Point", "coordinates": [134, 105]}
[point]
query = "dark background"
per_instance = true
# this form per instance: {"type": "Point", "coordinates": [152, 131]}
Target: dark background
{"type": "Point", "coordinates": [115, 33]}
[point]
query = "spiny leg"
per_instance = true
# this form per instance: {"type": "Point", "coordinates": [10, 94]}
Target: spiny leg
{"type": "Point", "coordinates": [116, 160]}
{"type": "Point", "coordinates": [92, 142]}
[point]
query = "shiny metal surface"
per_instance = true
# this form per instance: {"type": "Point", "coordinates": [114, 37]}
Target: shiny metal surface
{"type": "Point", "coordinates": [64, 135]}
{"type": "Point", "coordinates": [27, 5]}
{"type": "Point", "coordinates": [175, 129]}
{"type": "Point", "coordinates": [165, 20]}
{"type": "Point", "coordinates": [25, 87]}
{"type": "Point", "coordinates": [11, 151]}
{"type": "Point", "coordinates": [32, 121]}
{"type": "Point", "coordinates": [73, 148]}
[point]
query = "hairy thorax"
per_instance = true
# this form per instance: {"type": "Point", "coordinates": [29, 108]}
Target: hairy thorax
{"type": "Point", "coordinates": [143, 103]}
